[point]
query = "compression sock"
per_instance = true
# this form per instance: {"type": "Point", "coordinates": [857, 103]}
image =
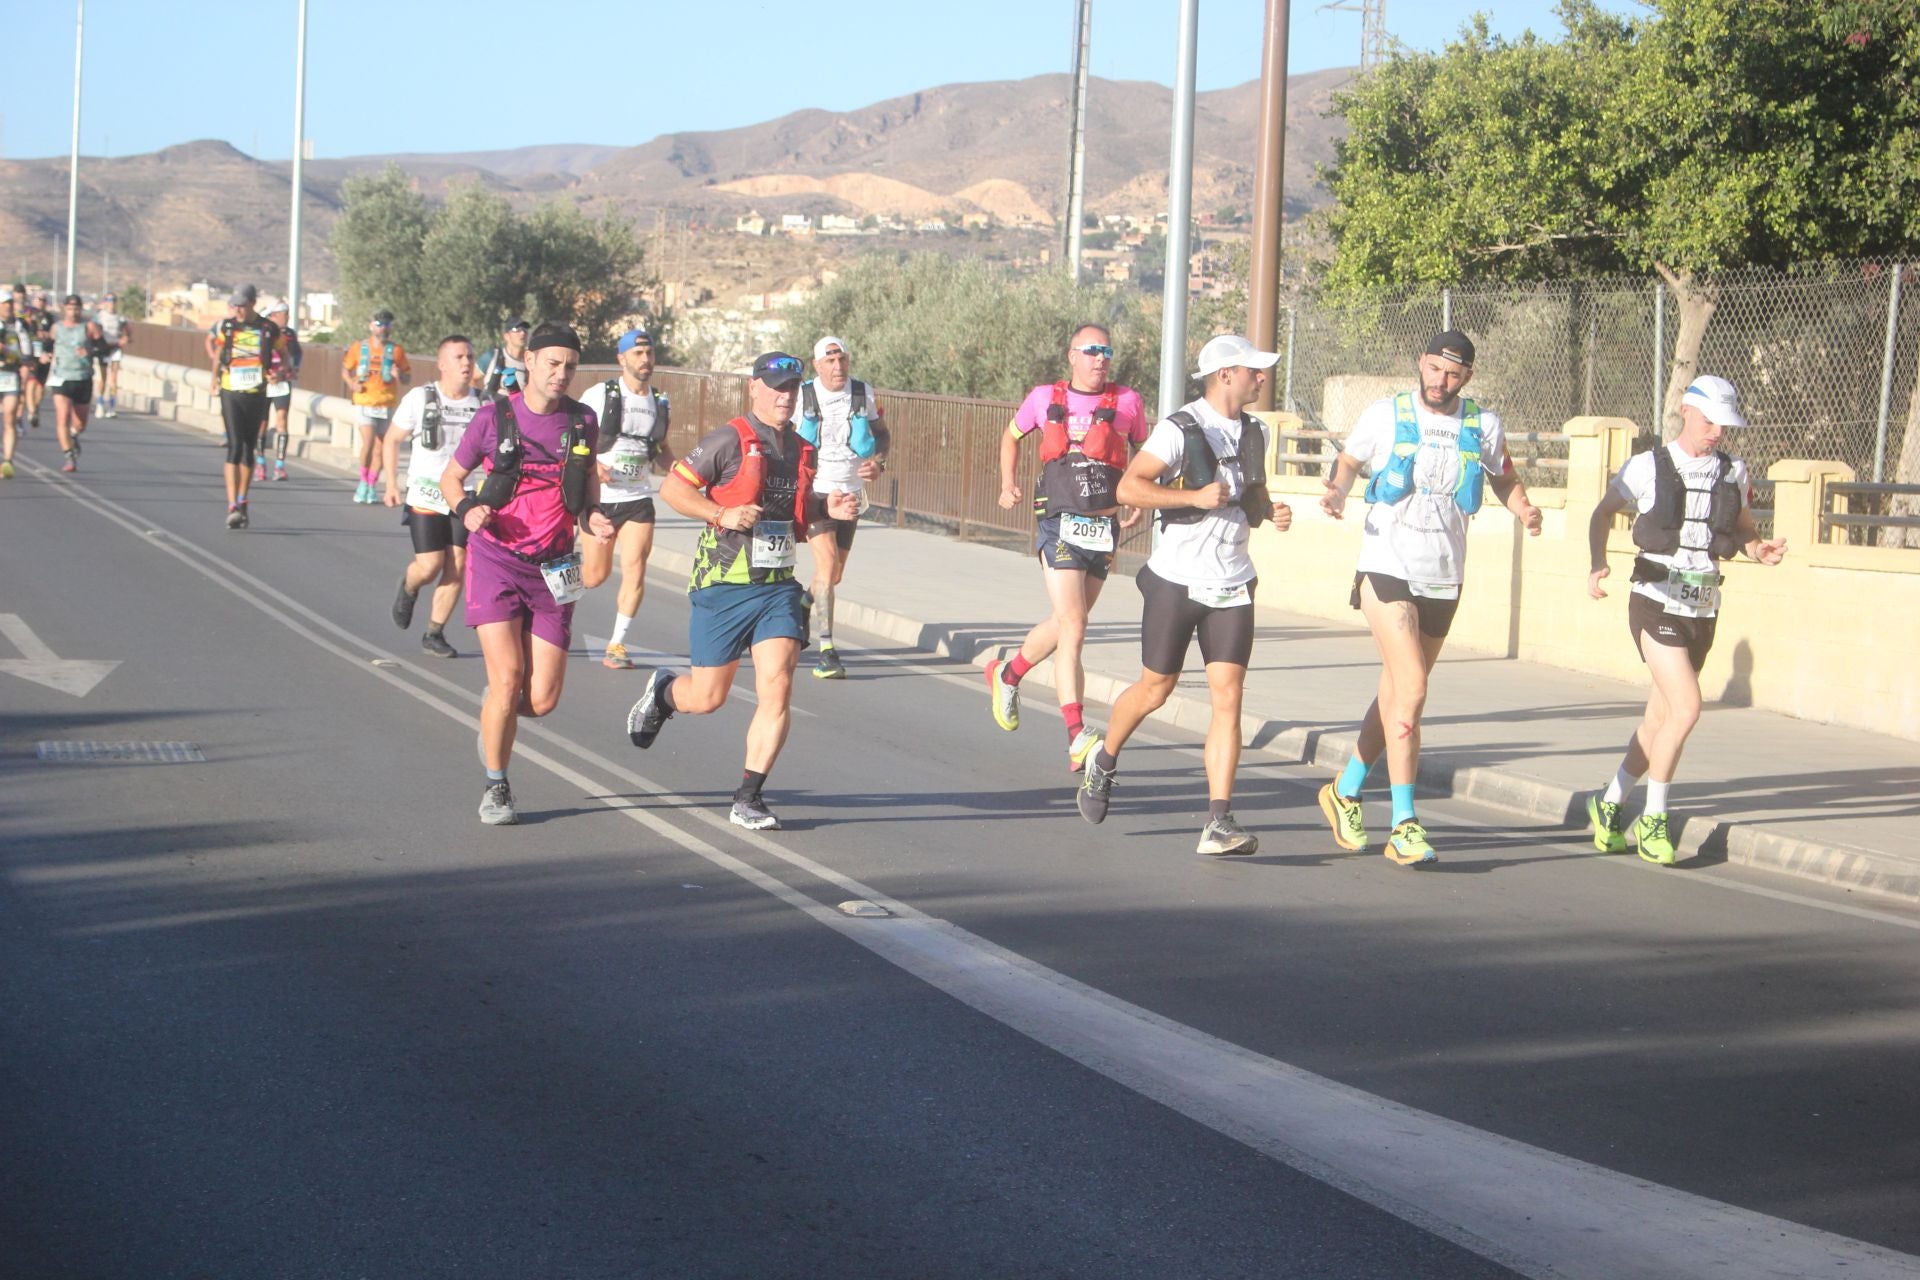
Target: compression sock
{"type": "Point", "coordinates": [823, 616]}
{"type": "Point", "coordinates": [1106, 759]}
{"type": "Point", "coordinates": [666, 697]}
{"type": "Point", "coordinates": [750, 783]}
{"type": "Point", "coordinates": [1402, 802]}
{"type": "Point", "coordinates": [1657, 796]}
{"type": "Point", "coordinates": [1074, 713]}
{"type": "Point", "coordinates": [1352, 778]}
{"type": "Point", "coordinates": [1218, 809]}
{"type": "Point", "coordinates": [621, 621]}
{"type": "Point", "coordinates": [1015, 668]}
{"type": "Point", "coordinates": [1621, 786]}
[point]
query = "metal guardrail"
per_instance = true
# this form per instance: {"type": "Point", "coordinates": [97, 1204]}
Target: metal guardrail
{"type": "Point", "coordinates": [1843, 493]}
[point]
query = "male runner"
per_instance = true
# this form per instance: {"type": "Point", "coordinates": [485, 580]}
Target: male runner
{"type": "Point", "coordinates": [1204, 470]}
{"type": "Point", "coordinates": [633, 421]}
{"type": "Point", "coordinates": [39, 319]}
{"type": "Point", "coordinates": [434, 416]}
{"type": "Point", "coordinates": [1430, 456]}
{"type": "Point", "coordinates": [117, 339]}
{"type": "Point", "coordinates": [374, 369]}
{"type": "Point", "coordinates": [842, 418]}
{"type": "Point", "coordinates": [242, 348]}
{"type": "Point", "coordinates": [1693, 510]}
{"type": "Point", "coordinates": [1085, 422]}
{"type": "Point", "coordinates": [750, 480]}
{"type": "Point", "coordinates": [71, 338]}
{"type": "Point", "coordinates": [523, 573]}
{"type": "Point", "coordinates": [282, 373]}
{"type": "Point", "coordinates": [16, 350]}
{"type": "Point", "coordinates": [505, 368]}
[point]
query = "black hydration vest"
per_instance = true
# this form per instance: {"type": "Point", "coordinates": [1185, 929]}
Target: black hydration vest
{"type": "Point", "coordinates": [1657, 530]}
{"type": "Point", "coordinates": [1199, 467]}
{"type": "Point", "coordinates": [431, 418]}
{"type": "Point", "coordinates": [615, 412]}
{"type": "Point", "coordinates": [503, 479]}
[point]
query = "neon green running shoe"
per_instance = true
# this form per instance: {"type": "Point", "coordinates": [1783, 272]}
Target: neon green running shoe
{"type": "Point", "coordinates": [1609, 825]}
{"type": "Point", "coordinates": [1408, 846]}
{"type": "Point", "coordinates": [1006, 698]}
{"type": "Point", "coordinates": [1651, 838]}
{"type": "Point", "coordinates": [1343, 815]}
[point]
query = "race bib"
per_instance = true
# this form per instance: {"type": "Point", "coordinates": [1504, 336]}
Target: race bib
{"type": "Point", "coordinates": [772, 545]}
{"type": "Point", "coordinates": [241, 377]}
{"type": "Point", "coordinates": [39, 351]}
{"type": "Point", "coordinates": [1692, 594]}
{"type": "Point", "coordinates": [1434, 590]}
{"type": "Point", "coordinates": [1089, 533]}
{"type": "Point", "coordinates": [426, 493]}
{"type": "Point", "coordinates": [1221, 597]}
{"type": "Point", "coordinates": [378, 412]}
{"type": "Point", "coordinates": [277, 389]}
{"type": "Point", "coordinates": [9, 384]}
{"type": "Point", "coordinates": [629, 458]}
{"type": "Point", "coordinates": [563, 578]}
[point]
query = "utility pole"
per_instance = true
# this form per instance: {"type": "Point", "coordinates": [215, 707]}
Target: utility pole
{"type": "Point", "coordinates": [1173, 306]}
{"type": "Point", "coordinates": [1269, 205]}
{"type": "Point", "coordinates": [299, 159]}
{"type": "Point", "coordinates": [73, 164]}
{"type": "Point", "coordinates": [1077, 135]}
{"type": "Point", "coordinates": [1373, 28]}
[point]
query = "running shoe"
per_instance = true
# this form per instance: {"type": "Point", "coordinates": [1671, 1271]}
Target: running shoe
{"type": "Point", "coordinates": [1080, 748]}
{"type": "Point", "coordinates": [644, 721]}
{"type": "Point", "coordinates": [234, 518]}
{"type": "Point", "coordinates": [6, 471]}
{"type": "Point", "coordinates": [1006, 698]}
{"type": "Point", "coordinates": [1609, 825]}
{"type": "Point", "coordinates": [435, 643]}
{"type": "Point", "coordinates": [1096, 791]}
{"type": "Point", "coordinates": [1651, 839]}
{"type": "Point", "coordinates": [496, 805]}
{"type": "Point", "coordinates": [403, 605]}
{"type": "Point", "coordinates": [753, 815]}
{"type": "Point", "coordinates": [1408, 845]}
{"type": "Point", "coordinates": [279, 471]}
{"type": "Point", "coordinates": [615, 658]}
{"type": "Point", "coordinates": [245, 519]}
{"type": "Point", "coordinates": [829, 667]}
{"type": "Point", "coordinates": [1344, 816]}
{"type": "Point", "coordinates": [73, 461]}
{"type": "Point", "coordinates": [259, 471]}
{"type": "Point", "coordinates": [361, 490]}
{"type": "Point", "coordinates": [1224, 837]}
{"type": "Point", "coordinates": [75, 450]}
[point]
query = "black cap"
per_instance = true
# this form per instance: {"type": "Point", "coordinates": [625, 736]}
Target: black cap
{"type": "Point", "coordinates": [383, 316]}
{"type": "Point", "coordinates": [518, 322]}
{"type": "Point", "coordinates": [778, 369]}
{"type": "Point", "coordinates": [1452, 345]}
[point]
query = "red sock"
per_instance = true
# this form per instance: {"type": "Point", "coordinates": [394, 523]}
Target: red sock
{"type": "Point", "coordinates": [1073, 713]}
{"type": "Point", "coordinates": [1018, 667]}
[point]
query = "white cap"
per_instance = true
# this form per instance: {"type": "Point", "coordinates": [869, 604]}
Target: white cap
{"type": "Point", "coordinates": [1231, 351]}
{"type": "Point", "coordinates": [1716, 398]}
{"type": "Point", "coordinates": [820, 347]}
{"type": "Point", "coordinates": [270, 305]}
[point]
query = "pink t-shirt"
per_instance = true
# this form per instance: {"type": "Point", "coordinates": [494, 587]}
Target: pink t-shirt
{"type": "Point", "coordinates": [535, 522]}
{"type": "Point", "coordinates": [1129, 415]}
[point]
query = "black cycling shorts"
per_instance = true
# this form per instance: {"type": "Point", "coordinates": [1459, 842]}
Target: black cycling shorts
{"type": "Point", "coordinates": [1170, 617]}
{"type": "Point", "coordinates": [620, 513]}
{"type": "Point", "coordinates": [433, 530]}
{"type": "Point", "coordinates": [1436, 616]}
{"type": "Point", "coordinates": [1647, 619]}
{"type": "Point", "coordinates": [244, 413]}
{"type": "Point", "coordinates": [80, 390]}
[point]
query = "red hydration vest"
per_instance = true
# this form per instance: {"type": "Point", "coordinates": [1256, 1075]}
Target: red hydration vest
{"type": "Point", "coordinates": [1101, 443]}
{"type": "Point", "coordinates": [745, 486]}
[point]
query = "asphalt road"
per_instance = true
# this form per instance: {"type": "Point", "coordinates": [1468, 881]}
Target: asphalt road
{"type": "Point", "coordinates": [293, 1012]}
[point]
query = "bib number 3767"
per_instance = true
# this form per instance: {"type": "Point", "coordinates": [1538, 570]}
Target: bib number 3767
{"type": "Point", "coordinates": [773, 545]}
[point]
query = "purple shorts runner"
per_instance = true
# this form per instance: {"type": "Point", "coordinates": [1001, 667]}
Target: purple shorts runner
{"type": "Point", "coordinates": [502, 588]}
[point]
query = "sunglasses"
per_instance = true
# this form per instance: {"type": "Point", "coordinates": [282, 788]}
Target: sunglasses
{"type": "Point", "coordinates": [785, 364]}
{"type": "Point", "coordinates": [1098, 350]}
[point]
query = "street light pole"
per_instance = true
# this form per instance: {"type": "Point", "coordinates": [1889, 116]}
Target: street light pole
{"type": "Point", "coordinates": [73, 164]}
{"type": "Point", "coordinates": [1173, 306]}
{"type": "Point", "coordinates": [1270, 159]}
{"type": "Point", "coordinates": [1077, 135]}
{"type": "Point", "coordinates": [299, 159]}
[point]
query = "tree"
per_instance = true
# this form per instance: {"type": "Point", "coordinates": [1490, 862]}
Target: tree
{"type": "Point", "coordinates": [377, 243]}
{"type": "Point", "coordinates": [1707, 135]}
{"type": "Point", "coordinates": [133, 302]}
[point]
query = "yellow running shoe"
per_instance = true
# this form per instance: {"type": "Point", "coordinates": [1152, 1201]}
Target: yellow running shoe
{"type": "Point", "coordinates": [6, 471]}
{"type": "Point", "coordinates": [1609, 825]}
{"type": "Point", "coordinates": [616, 658]}
{"type": "Point", "coordinates": [1006, 698]}
{"type": "Point", "coordinates": [1343, 815]}
{"type": "Point", "coordinates": [1408, 846]}
{"type": "Point", "coordinates": [1651, 838]}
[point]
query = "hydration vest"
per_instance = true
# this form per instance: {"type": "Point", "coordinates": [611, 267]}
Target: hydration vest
{"type": "Point", "coordinates": [269, 338]}
{"type": "Point", "coordinates": [1200, 467]}
{"type": "Point", "coordinates": [862, 437]}
{"type": "Point", "coordinates": [615, 411]}
{"type": "Point", "coordinates": [1080, 477]}
{"type": "Point", "coordinates": [1657, 529]}
{"type": "Point", "coordinates": [366, 361]}
{"type": "Point", "coordinates": [501, 376]}
{"type": "Point", "coordinates": [1394, 482]}
{"type": "Point", "coordinates": [432, 418]}
{"type": "Point", "coordinates": [503, 471]}
{"type": "Point", "coordinates": [745, 487]}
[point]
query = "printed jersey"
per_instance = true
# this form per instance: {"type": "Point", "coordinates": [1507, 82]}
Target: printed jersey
{"type": "Point", "coordinates": [16, 349]}
{"type": "Point", "coordinates": [1211, 551]}
{"type": "Point", "coordinates": [534, 524]}
{"type": "Point", "coordinates": [243, 368]}
{"type": "Point", "coordinates": [726, 555]}
{"type": "Point", "coordinates": [375, 390]}
{"type": "Point", "coordinates": [630, 475]}
{"type": "Point", "coordinates": [425, 465]}
{"type": "Point", "coordinates": [1421, 539]}
{"type": "Point", "coordinates": [1634, 485]}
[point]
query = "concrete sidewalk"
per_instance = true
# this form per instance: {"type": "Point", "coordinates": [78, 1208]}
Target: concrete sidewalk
{"type": "Point", "coordinates": [1524, 737]}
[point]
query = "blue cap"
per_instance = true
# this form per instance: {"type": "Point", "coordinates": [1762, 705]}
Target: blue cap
{"type": "Point", "coordinates": [633, 338]}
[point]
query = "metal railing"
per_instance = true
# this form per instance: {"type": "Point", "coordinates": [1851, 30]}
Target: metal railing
{"type": "Point", "coordinates": [1841, 500]}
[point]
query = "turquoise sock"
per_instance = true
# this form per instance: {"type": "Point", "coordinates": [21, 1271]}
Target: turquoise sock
{"type": "Point", "coordinates": [1402, 802]}
{"type": "Point", "coordinates": [496, 775]}
{"type": "Point", "coordinates": [1352, 778]}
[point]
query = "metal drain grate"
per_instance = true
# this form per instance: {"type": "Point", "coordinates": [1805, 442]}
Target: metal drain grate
{"type": "Point", "coordinates": [118, 753]}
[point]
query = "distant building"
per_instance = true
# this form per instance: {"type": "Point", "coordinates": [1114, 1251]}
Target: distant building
{"type": "Point", "coordinates": [750, 224]}
{"type": "Point", "coordinates": [931, 226]}
{"type": "Point", "coordinates": [976, 221]}
{"type": "Point", "coordinates": [795, 224]}
{"type": "Point", "coordinates": [835, 224]}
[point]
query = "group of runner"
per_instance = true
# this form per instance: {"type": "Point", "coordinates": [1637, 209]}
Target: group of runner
{"type": "Point", "coordinates": [59, 353]}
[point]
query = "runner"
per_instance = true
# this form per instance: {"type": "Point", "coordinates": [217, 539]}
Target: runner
{"type": "Point", "coordinates": [1693, 510]}
{"type": "Point", "coordinates": [1085, 423]}
{"type": "Point", "coordinates": [282, 373]}
{"type": "Point", "coordinates": [1204, 469]}
{"type": "Point", "coordinates": [16, 350]}
{"type": "Point", "coordinates": [633, 421]}
{"type": "Point", "coordinates": [39, 319]}
{"type": "Point", "coordinates": [434, 417]}
{"type": "Point", "coordinates": [842, 418]}
{"type": "Point", "coordinates": [374, 369]}
{"type": "Point", "coordinates": [506, 365]}
{"type": "Point", "coordinates": [243, 345]}
{"type": "Point", "coordinates": [523, 573]}
{"type": "Point", "coordinates": [116, 339]}
{"type": "Point", "coordinates": [751, 482]}
{"type": "Point", "coordinates": [71, 339]}
{"type": "Point", "coordinates": [1430, 455]}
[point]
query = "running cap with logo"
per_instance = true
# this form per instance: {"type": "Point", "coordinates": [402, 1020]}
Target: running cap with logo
{"type": "Point", "coordinates": [1231, 351]}
{"type": "Point", "coordinates": [1716, 398]}
{"type": "Point", "coordinates": [1452, 345]}
{"type": "Point", "coordinates": [518, 322]}
{"type": "Point", "coordinates": [383, 316]}
{"type": "Point", "coordinates": [633, 338]}
{"type": "Point", "coordinates": [778, 370]}
{"type": "Point", "coordinates": [243, 296]}
{"type": "Point", "coordinates": [554, 335]}
{"type": "Point", "coordinates": [827, 344]}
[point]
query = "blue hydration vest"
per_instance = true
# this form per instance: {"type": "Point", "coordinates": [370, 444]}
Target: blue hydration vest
{"type": "Point", "coordinates": [1395, 481]}
{"type": "Point", "coordinates": [386, 362]}
{"type": "Point", "coordinates": [864, 443]}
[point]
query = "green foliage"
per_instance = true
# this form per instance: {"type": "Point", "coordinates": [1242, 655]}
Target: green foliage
{"type": "Point", "coordinates": [377, 242]}
{"type": "Point", "coordinates": [132, 302]}
{"type": "Point", "coordinates": [931, 323]}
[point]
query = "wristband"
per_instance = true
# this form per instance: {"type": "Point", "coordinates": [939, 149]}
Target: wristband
{"type": "Point", "coordinates": [466, 504]}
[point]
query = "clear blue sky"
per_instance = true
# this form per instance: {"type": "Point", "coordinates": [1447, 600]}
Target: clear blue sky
{"type": "Point", "coordinates": [396, 75]}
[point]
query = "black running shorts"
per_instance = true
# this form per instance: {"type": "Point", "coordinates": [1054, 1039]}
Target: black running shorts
{"type": "Point", "coordinates": [80, 390]}
{"type": "Point", "coordinates": [1647, 620]}
{"type": "Point", "coordinates": [1436, 616]}
{"type": "Point", "coordinates": [1170, 617]}
{"type": "Point", "coordinates": [434, 530]}
{"type": "Point", "coordinates": [620, 513]}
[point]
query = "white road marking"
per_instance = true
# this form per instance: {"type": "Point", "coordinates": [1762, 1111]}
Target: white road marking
{"type": "Point", "coordinates": [40, 664]}
{"type": "Point", "coordinates": [1536, 1212]}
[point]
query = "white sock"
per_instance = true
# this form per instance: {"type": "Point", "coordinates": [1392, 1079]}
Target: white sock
{"type": "Point", "coordinates": [1657, 796]}
{"type": "Point", "coordinates": [621, 621]}
{"type": "Point", "coordinates": [1620, 787]}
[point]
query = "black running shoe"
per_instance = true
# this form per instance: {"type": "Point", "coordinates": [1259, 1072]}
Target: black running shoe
{"type": "Point", "coordinates": [234, 518]}
{"type": "Point", "coordinates": [1096, 789]}
{"type": "Point", "coordinates": [403, 605]}
{"type": "Point", "coordinates": [496, 806]}
{"type": "Point", "coordinates": [650, 713]}
{"type": "Point", "coordinates": [753, 815]}
{"type": "Point", "coordinates": [436, 644]}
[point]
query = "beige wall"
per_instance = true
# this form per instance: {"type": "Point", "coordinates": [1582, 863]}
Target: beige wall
{"type": "Point", "coordinates": [1828, 635]}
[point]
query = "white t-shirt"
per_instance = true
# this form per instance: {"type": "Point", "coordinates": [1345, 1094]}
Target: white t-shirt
{"type": "Point", "coordinates": [1211, 551]}
{"type": "Point", "coordinates": [1634, 485]}
{"type": "Point", "coordinates": [1421, 539]}
{"type": "Point", "coordinates": [630, 474]}
{"type": "Point", "coordinates": [425, 466]}
{"type": "Point", "coordinates": [838, 469]}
